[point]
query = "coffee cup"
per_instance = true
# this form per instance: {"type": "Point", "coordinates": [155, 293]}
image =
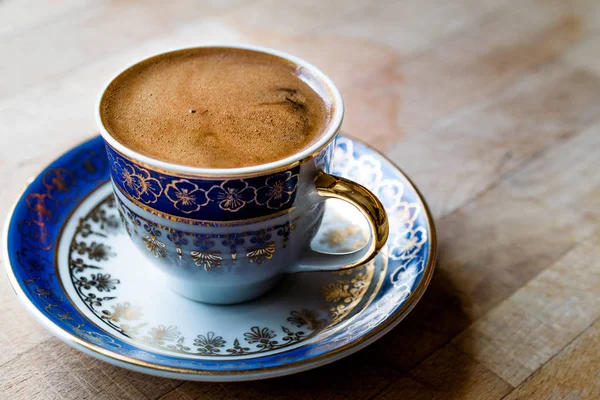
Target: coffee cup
{"type": "Point", "coordinates": [228, 235]}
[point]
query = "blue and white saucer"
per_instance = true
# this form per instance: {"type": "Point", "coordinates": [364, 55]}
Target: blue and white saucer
{"type": "Point", "coordinates": [70, 261]}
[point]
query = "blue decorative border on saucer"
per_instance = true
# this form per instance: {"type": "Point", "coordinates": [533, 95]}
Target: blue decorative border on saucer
{"type": "Point", "coordinates": [46, 204]}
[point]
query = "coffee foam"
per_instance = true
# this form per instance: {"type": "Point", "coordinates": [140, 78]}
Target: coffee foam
{"type": "Point", "coordinates": [214, 108]}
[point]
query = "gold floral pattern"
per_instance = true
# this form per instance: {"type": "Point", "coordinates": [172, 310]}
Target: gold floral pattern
{"type": "Point", "coordinates": [344, 240]}
{"type": "Point", "coordinates": [84, 257]}
{"type": "Point", "coordinates": [261, 254]}
{"type": "Point", "coordinates": [262, 336]}
{"type": "Point", "coordinates": [140, 185]}
{"type": "Point", "coordinates": [302, 318]}
{"type": "Point", "coordinates": [95, 251]}
{"type": "Point", "coordinates": [345, 294]}
{"type": "Point", "coordinates": [127, 318]}
{"type": "Point", "coordinates": [209, 344]}
{"type": "Point", "coordinates": [340, 291]}
{"type": "Point", "coordinates": [186, 196]}
{"type": "Point", "coordinates": [131, 330]}
{"type": "Point", "coordinates": [285, 231]}
{"type": "Point", "coordinates": [333, 238]}
{"type": "Point", "coordinates": [58, 182]}
{"type": "Point", "coordinates": [102, 282]}
{"type": "Point", "coordinates": [161, 334]}
{"type": "Point", "coordinates": [277, 191]}
{"type": "Point", "coordinates": [257, 246]}
{"type": "Point", "coordinates": [207, 259]}
{"type": "Point", "coordinates": [155, 246]}
{"type": "Point", "coordinates": [260, 339]}
{"type": "Point", "coordinates": [232, 195]}
{"type": "Point", "coordinates": [238, 349]}
{"type": "Point", "coordinates": [125, 311]}
{"type": "Point", "coordinates": [203, 199]}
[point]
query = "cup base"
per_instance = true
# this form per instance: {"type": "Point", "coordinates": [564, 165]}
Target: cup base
{"type": "Point", "coordinates": [222, 295]}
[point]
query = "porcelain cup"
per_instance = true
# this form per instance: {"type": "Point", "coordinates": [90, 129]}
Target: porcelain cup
{"type": "Point", "coordinates": [225, 236]}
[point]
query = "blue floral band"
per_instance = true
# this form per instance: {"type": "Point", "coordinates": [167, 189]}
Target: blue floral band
{"type": "Point", "coordinates": [206, 199]}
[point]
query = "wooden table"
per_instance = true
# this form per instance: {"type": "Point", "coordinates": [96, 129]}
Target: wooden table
{"type": "Point", "coordinates": [491, 106]}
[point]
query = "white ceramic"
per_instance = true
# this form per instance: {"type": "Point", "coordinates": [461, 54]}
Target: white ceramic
{"type": "Point", "coordinates": [69, 261]}
{"type": "Point", "coordinates": [229, 235]}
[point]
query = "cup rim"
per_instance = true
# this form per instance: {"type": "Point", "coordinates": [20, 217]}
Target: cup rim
{"type": "Point", "coordinates": [331, 130]}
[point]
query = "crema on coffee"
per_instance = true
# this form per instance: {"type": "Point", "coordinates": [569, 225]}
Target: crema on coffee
{"type": "Point", "coordinates": [214, 108]}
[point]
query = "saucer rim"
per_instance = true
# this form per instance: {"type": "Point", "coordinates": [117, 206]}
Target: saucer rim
{"type": "Point", "coordinates": [206, 375]}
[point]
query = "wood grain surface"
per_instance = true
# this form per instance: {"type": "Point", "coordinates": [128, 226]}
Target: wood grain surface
{"type": "Point", "coordinates": [491, 106]}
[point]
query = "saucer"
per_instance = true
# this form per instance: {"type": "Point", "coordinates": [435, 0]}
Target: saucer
{"type": "Point", "coordinates": [70, 261]}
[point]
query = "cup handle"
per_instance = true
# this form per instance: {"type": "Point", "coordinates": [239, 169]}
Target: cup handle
{"type": "Point", "coordinates": [330, 186]}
